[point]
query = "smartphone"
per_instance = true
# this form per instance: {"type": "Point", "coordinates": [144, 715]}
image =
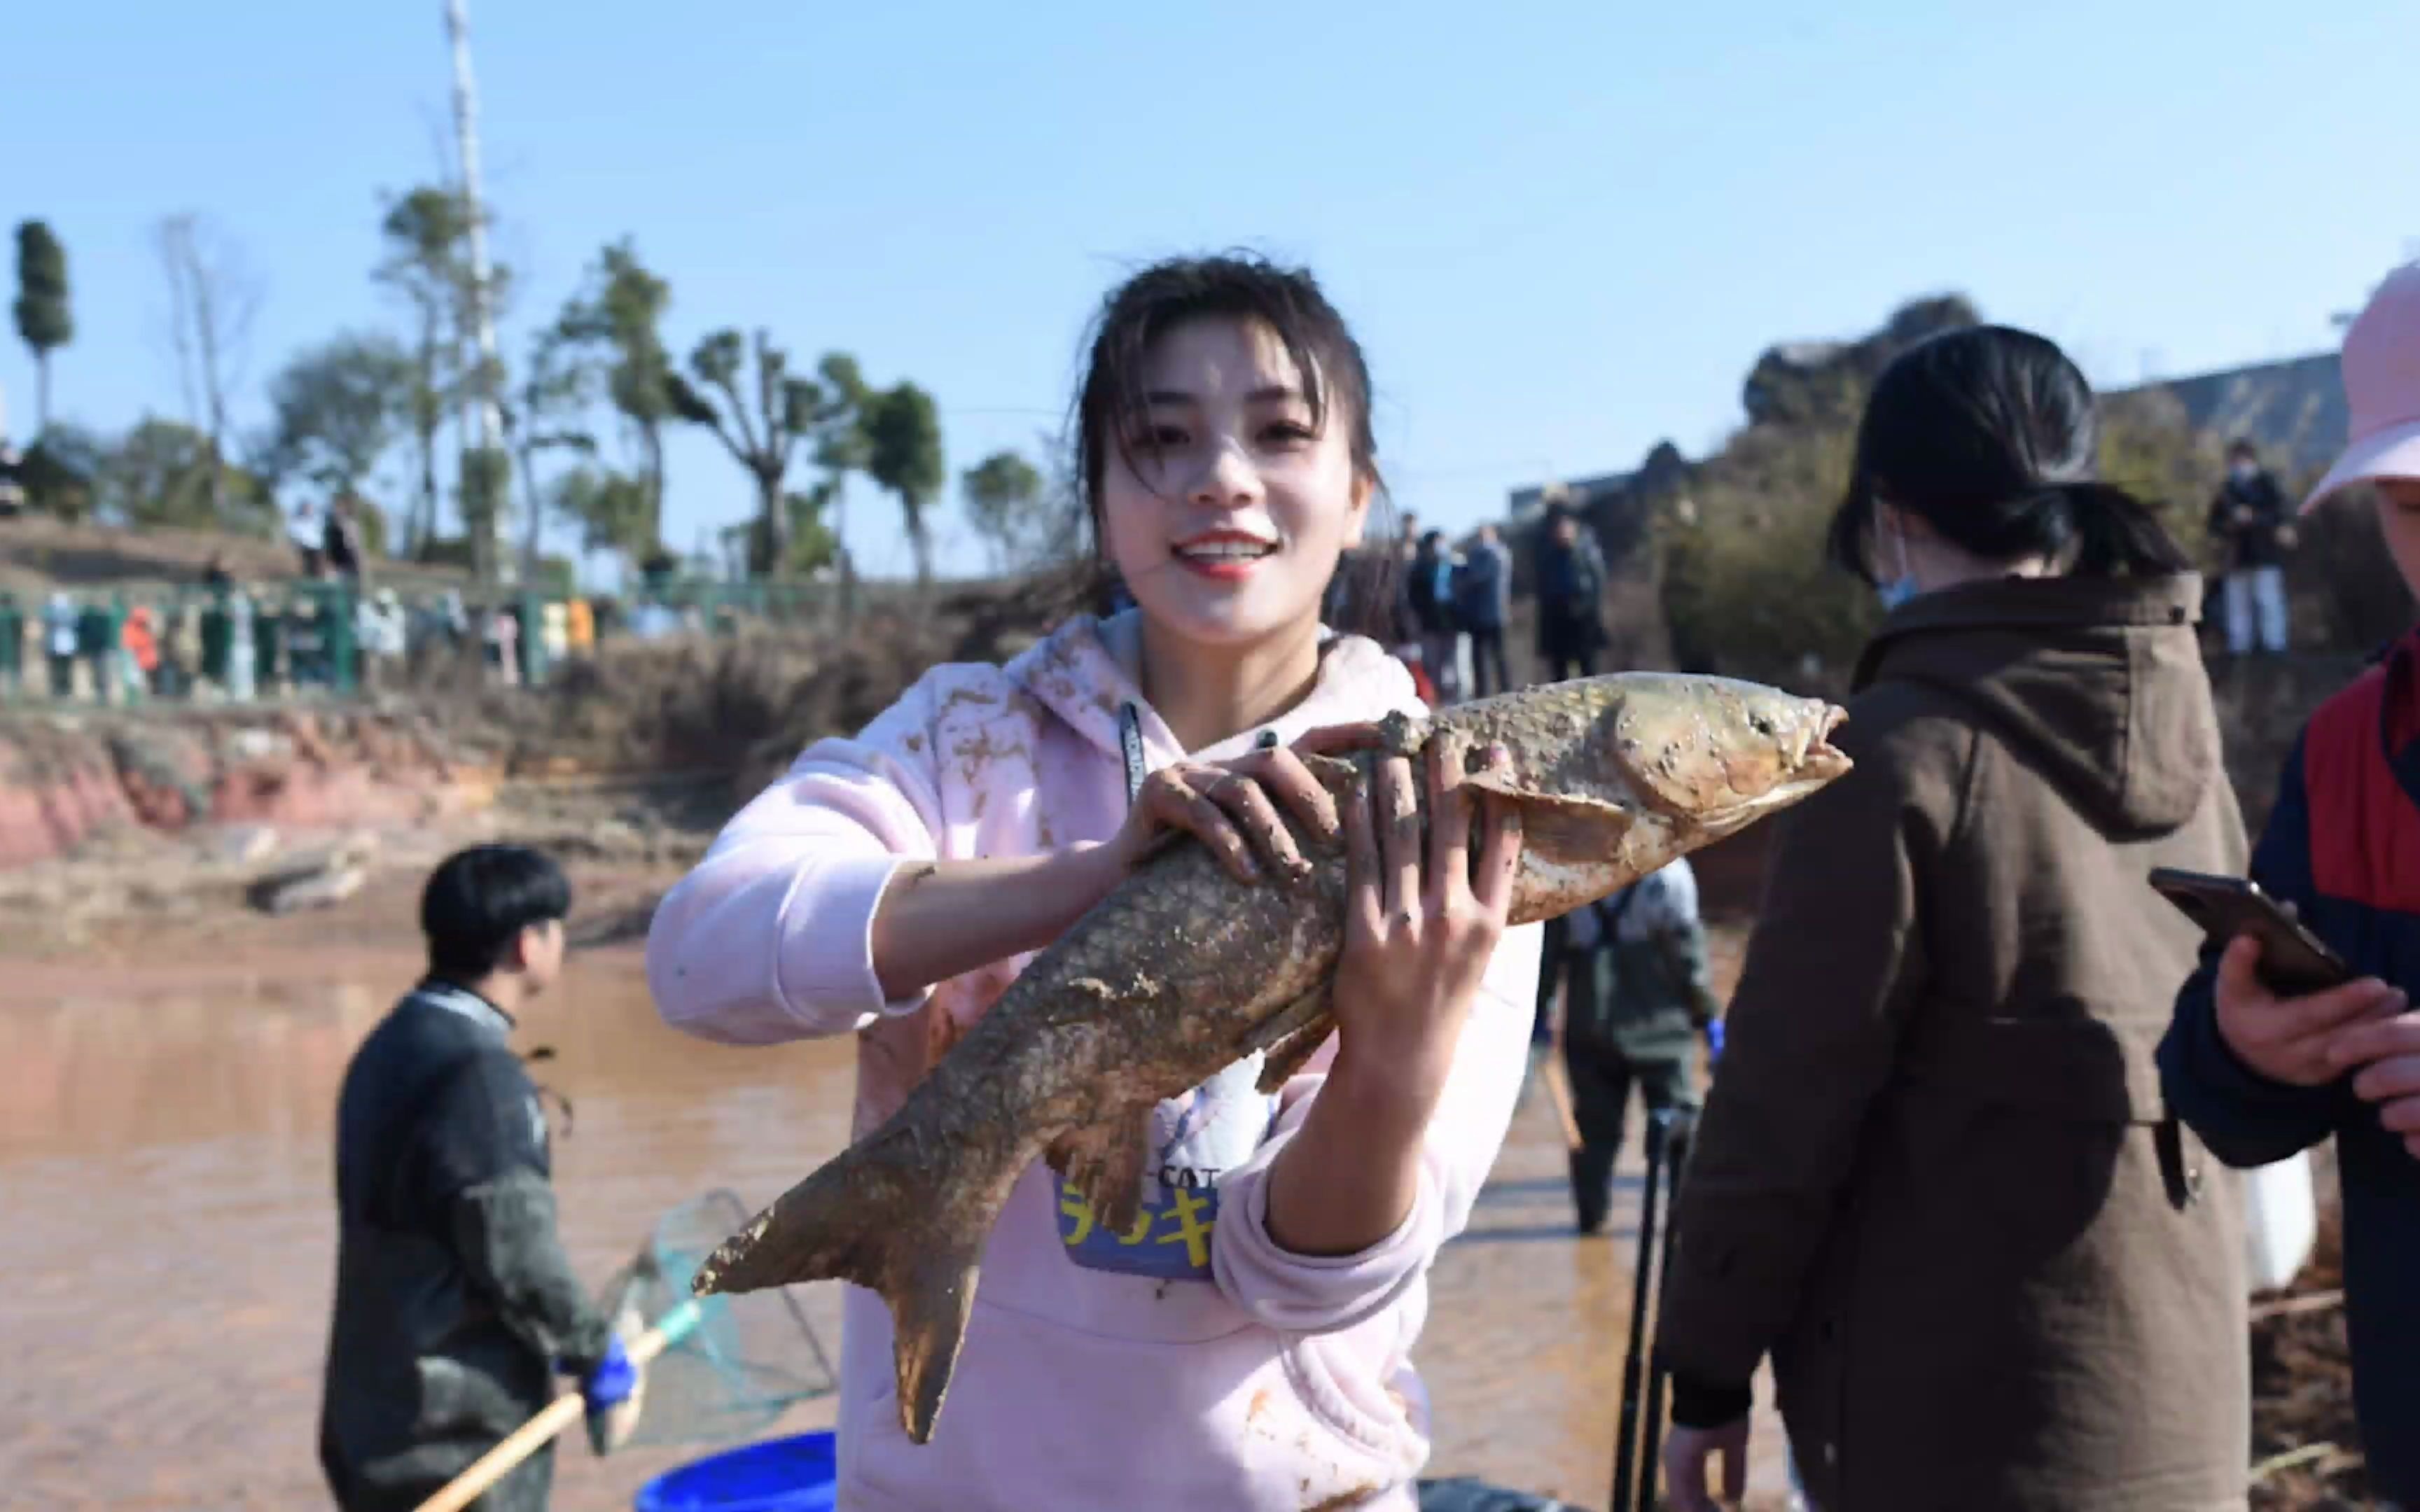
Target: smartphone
{"type": "Point", "coordinates": [2293, 960]}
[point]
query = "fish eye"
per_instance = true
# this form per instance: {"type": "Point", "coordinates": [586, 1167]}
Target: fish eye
{"type": "Point", "coordinates": [1760, 724]}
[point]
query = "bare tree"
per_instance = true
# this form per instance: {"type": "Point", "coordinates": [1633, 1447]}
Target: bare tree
{"type": "Point", "coordinates": [213, 297]}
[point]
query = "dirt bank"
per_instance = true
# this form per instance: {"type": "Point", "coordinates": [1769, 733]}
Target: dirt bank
{"type": "Point", "coordinates": [66, 780]}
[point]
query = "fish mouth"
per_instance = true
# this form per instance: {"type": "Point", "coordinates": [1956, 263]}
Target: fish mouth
{"type": "Point", "coordinates": [1815, 765]}
{"type": "Point", "coordinates": [1821, 755]}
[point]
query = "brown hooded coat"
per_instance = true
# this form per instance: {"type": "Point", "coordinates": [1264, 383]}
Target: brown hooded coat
{"type": "Point", "coordinates": [1936, 1180]}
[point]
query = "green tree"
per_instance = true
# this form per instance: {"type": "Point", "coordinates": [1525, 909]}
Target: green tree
{"type": "Point", "coordinates": [614, 326]}
{"type": "Point", "coordinates": [44, 319]}
{"type": "Point", "coordinates": [60, 470]}
{"type": "Point", "coordinates": [427, 264]}
{"type": "Point", "coordinates": [1005, 504]}
{"type": "Point", "coordinates": [763, 415]}
{"type": "Point", "coordinates": [481, 496]}
{"type": "Point", "coordinates": [336, 410]}
{"type": "Point", "coordinates": [611, 510]}
{"type": "Point", "coordinates": [212, 297]}
{"type": "Point", "coordinates": [841, 449]}
{"type": "Point", "coordinates": [1745, 586]}
{"type": "Point", "coordinates": [903, 441]}
{"type": "Point", "coordinates": [161, 473]}
{"type": "Point", "coordinates": [541, 416]}
{"type": "Point", "coordinates": [2150, 448]}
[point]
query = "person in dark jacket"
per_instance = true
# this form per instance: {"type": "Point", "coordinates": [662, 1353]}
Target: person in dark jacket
{"type": "Point", "coordinates": [1430, 590]}
{"type": "Point", "coordinates": [1936, 1182]}
{"type": "Point", "coordinates": [2262, 1078]}
{"type": "Point", "coordinates": [1482, 596]}
{"type": "Point", "coordinates": [343, 544]}
{"type": "Point", "coordinates": [1637, 992]}
{"type": "Point", "coordinates": [455, 1306]}
{"type": "Point", "coordinates": [1571, 590]}
{"type": "Point", "coordinates": [2250, 520]}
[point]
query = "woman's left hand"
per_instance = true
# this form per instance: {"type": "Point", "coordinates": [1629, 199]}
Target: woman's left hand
{"type": "Point", "coordinates": [1418, 939]}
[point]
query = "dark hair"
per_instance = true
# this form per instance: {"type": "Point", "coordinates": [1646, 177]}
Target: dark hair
{"type": "Point", "coordinates": [1989, 435]}
{"type": "Point", "coordinates": [2242, 446]}
{"type": "Point", "coordinates": [1335, 377]}
{"type": "Point", "coordinates": [477, 903]}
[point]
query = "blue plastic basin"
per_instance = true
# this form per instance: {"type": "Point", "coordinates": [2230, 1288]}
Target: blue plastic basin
{"type": "Point", "coordinates": [793, 1475]}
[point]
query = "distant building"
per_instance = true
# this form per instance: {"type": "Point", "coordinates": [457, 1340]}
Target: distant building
{"type": "Point", "coordinates": [2293, 411]}
{"type": "Point", "coordinates": [1528, 501]}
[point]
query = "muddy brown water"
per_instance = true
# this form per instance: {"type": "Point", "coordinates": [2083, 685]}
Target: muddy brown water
{"type": "Point", "coordinates": [165, 1172]}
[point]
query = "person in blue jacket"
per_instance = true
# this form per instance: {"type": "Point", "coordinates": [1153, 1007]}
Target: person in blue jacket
{"type": "Point", "coordinates": [2261, 1076]}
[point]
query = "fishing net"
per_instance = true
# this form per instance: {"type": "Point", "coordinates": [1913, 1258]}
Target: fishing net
{"type": "Point", "coordinates": [745, 1360]}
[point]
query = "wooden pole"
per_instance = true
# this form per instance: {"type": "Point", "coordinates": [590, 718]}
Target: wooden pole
{"type": "Point", "coordinates": [559, 1415]}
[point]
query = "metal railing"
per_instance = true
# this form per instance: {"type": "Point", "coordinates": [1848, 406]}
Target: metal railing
{"type": "Point", "coordinates": [328, 638]}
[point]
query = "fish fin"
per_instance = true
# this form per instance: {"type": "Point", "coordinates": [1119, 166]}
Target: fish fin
{"type": "Point", "coordinates": [928, 1319]}
{"type": "Point", "coordinates": [893, 1215]}
{"type": "Point", "coordinates": [1559, 827]}
{"type": "Point", "coordinates": [1289, 1054]}
{"type": "Point", "coordinates": [1104, 1162]}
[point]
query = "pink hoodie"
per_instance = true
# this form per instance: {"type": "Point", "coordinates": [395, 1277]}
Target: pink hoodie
{"type": "Point", "coordinates": [1273, 1381]}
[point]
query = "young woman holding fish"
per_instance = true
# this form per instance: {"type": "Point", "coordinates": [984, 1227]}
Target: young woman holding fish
{"type": "Point", "coordinates": [1246, 1343]}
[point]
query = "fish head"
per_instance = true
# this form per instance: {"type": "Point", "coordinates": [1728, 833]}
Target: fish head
{"type": "Point", "coordinates": [1718, 753]}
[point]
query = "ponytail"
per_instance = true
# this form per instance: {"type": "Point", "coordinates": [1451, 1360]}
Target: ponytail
{"type": "Point", "coordinates": [2113, 533]}
{"type": "Point", "coordinates": [1989, 434]}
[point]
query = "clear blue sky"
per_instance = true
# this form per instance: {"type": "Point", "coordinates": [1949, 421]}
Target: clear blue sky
{"type": "Point", "coordinates": [1563, 232]}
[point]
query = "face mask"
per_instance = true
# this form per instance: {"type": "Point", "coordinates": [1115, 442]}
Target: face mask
{"type": "Point", "coordinates": [1901, 589]}
{"type": "Point", "coordinates": [2244, 471]}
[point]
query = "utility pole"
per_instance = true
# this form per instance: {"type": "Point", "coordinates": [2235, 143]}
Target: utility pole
{"type": "Point", "coordinates": [481, 418]}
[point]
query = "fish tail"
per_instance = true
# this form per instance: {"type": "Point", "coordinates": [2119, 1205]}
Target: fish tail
{"type": "Point", "coordinates": [905, 1226]}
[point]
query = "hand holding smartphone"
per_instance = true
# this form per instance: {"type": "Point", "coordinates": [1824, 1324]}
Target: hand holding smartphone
{"type": "Point", "coordinates": [2294, 963]}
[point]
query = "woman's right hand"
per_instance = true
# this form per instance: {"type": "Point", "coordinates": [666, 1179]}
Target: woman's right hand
{"type": "Point", "coordinates": [2287, 1039]}
{"type": "Point", "coordinates": [1231, 807]}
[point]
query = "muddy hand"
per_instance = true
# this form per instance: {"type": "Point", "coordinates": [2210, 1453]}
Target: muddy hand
{"type": "Point", "coordinates": [1420, 929]}
{"type": "Point", "coordinates": [1231, 807]}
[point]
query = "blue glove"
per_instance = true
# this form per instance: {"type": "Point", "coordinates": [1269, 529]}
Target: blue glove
{"type": "Point", "coordinates": [610, 1383]}
{"type": "Point", "coordinates": [1714, 1038]}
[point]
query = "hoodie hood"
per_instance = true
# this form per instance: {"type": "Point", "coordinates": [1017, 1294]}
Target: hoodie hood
{"type": "Point", "coordinates": [1087, 670]}
{"type": "Point", "coordinates": [2097, 680]}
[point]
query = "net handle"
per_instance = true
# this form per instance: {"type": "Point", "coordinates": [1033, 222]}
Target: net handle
{"type": "Point", "coordinates": [558, 1415]}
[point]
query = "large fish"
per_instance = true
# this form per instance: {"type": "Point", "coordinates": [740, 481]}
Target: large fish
{"type": "Point", "coordinates": [1182, 971]}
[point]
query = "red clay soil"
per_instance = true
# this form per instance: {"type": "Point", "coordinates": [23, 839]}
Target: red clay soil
{"type": "Point", "coordinates": [63, 780]}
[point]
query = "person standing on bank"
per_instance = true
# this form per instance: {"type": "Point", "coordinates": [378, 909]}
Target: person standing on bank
{"type": "Point", "coordinates": [1936, 1182]}
{"type": "Point", "coordinates": [1483, 596]}
{"type": "Point", "coordinates": [455, 1306]}
{"type": "Point", "coordinates": [1636, 993]}
{"type": "Point", "coordinates": [1430, 590]}
{"type": "Point", "coordinates": [2256, 530]}
{"type": "Point", "coordinates": [1571, 589]}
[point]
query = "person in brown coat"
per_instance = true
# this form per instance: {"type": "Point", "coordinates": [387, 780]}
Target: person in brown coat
{"type": "Point", "coordinates": [1935, 1180]}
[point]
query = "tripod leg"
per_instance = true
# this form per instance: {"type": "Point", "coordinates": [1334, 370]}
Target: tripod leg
{"type": "Point", "coordinates": [1651, 1448]}
{"type": "Point", "coordinates": [1625, 1453]}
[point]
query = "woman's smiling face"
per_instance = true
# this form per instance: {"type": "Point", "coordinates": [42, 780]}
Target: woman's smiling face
{"type": "Point", "coordinates": [1226, 503]}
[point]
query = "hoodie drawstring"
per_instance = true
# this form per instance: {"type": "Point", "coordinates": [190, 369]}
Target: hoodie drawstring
{"type": "Point", "coordinates": [1130, 743]}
